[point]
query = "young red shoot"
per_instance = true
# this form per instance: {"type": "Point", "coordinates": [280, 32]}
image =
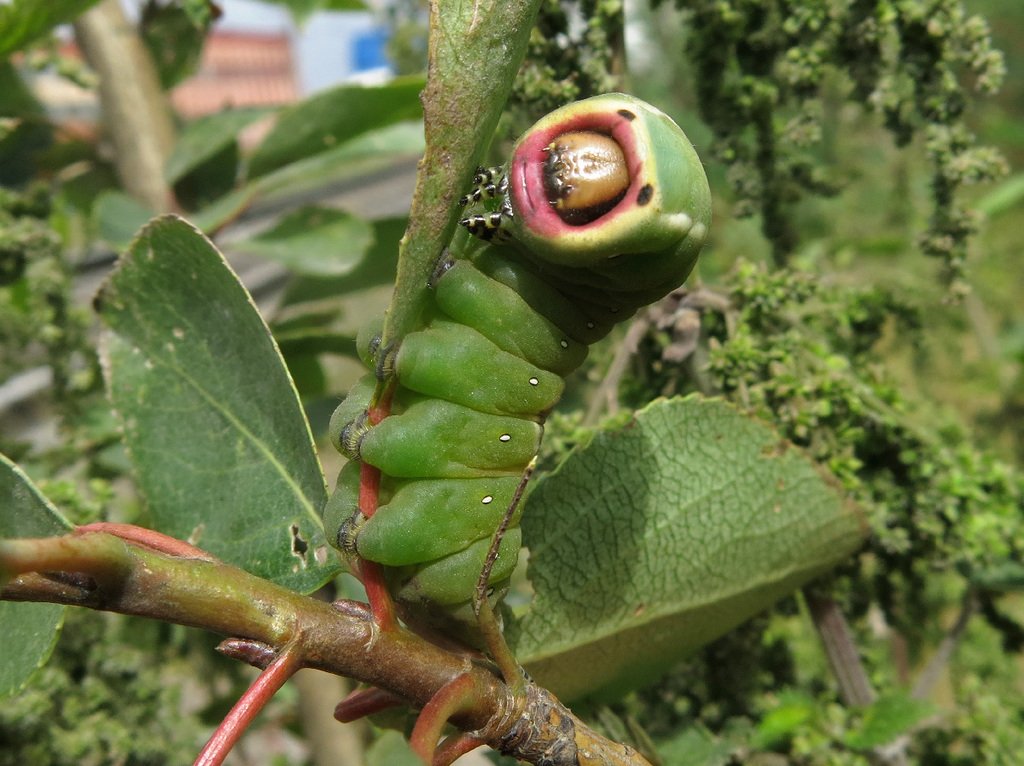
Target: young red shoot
{"type": "Point", "coordinates": [372, 575]}
{"type": "Point", "coordinates": [147, 538]}
{"type": "Point", "coordinates": [249, 705]}
{"type": "Point", "coordinates": [364, 702]}
{"type": "Point", "coordinates": [454, 697]}
{"type": "Point", "coordinates": [455, 747]}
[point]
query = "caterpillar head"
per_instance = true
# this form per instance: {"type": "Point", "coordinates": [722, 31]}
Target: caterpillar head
{"type": "Point", "coordinates": [606, 177]}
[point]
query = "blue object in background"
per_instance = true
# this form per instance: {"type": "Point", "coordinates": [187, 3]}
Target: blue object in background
{"type": "Point", "coordinates": [327, 49]}
{"type": "Point", "coordinates": [369, 50]}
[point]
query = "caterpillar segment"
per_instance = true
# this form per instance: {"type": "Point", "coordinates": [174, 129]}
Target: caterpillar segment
{"type": "Point", "coordinates": [602, 209]}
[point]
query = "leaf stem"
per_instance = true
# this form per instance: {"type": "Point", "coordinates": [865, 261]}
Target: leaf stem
{"type": "Point", "coordinates": [475, 50]}
{"type": "Point", "coordinates": [933, 670]}
{"type": "Point", "coordinates": [606, 398]}
{"type": "Point", "coordinates": [843, 656]}
{"type": "Point", "coordinates": [493, 638]}
{"type": "Point", "coordinates": [250, 704]}
{"type": "Point", "coordinates": [454, 697]}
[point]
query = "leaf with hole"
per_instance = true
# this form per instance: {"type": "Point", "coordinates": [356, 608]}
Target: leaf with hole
{"type": "Point", "coordinates": [221, 448]}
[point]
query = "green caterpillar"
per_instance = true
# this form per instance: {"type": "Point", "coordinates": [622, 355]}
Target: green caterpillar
{"type": "Point", "coordinates": [603, 208]}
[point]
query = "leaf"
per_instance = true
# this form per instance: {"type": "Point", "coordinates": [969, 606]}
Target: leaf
{"type": "Point", "coordinates": [29, 630]}
{"type": "Point", "coordinates": [781, 722]}
{"type": "Point", "coordinates": [24, 130]}
{"type": "Point", "coordinates": [1007, 195]}
{"type": "Point", "coordinates": [316, 340]}
{"type": "Point", "coordinates": [223, 210]}
{"type": "Point", "coordinates": [391, 749]}
{"type": "Point", "coordinates": [174, 40]}
{"type": "Point", "coordinates": [24, 21]}
{"type": "Point", "coordinates": [308, 374]}
{"type": "Point", "coordinates": [377, 268]}
{"type": "Point", "coordinates": [333, 117]}
{"type": "Point", "coordinates": [315, 241]}
{"type": "Point", "coordinates": [362, 155]}
{"type": "Point", "coordinates": [211, 180]}
{"type": "Point", "coordinates": [118, 217]}
{"type": "Point", "coordinates": [1003, 577]}
{"type": "Point", "coordinates": [888, 718]}
{"type": "Point", "coordinates": [205, 137]}
{"type": "Point", "coordinates": [221, 448]}
{"type": "Point", "coordinates": [663, 534]}
{"type": "Point", "coordinates": [343, 5]}
{"type": "Point", "coordinates": [696, 747]}
{"type": "Point", "coordinates": [303, 9]}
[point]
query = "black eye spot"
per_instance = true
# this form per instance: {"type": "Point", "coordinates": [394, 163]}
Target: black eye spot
{"type": "Point", "coordinates": [645, 194]}
{"type": "Point", "coordinates": [627, 114]}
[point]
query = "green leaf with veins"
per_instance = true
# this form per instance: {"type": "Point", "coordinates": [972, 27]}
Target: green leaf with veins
{"type": "Point", "coordinates": [661, 535]}
{"type": "Point", "coordinates": [221, 448]}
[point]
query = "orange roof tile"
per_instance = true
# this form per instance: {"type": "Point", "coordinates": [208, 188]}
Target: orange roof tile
{"type": "Point", "coordinates": [239, 70]}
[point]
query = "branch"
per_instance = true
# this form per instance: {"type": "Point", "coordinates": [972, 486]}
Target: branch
{"type": "Point", "coordinates": [854, 685]}
{"type": "Point", "coordinates": [940, 660]}
{"type": "Point", "coordinates": [840, 648]}
{"type": "Point", "coordinates": [607, 395]}
{"type": "Point", "coordinates": [102, 571]}
{"type": "Point", "coordinates": [135, 110]}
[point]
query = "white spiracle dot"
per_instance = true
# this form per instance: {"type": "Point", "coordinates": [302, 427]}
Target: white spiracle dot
{"type": "Point", "coordinates": [534, 382]}
{"type": "Point", "coordinates": [505, 438]}
{"type": "Point", "coordinates": [488, 499]}
{"type": "Point", "coordinates": [563, 343]}
{"type": "Point", "coordinates": [590, 325]}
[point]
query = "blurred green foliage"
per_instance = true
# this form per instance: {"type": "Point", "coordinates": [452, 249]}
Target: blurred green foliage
{"type": "Point", "coordinates": [75, 711]}
{"type": "Point", "coordinates": [38, 323]}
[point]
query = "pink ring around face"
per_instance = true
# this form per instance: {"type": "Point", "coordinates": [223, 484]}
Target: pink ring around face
{"type": "Point", "coordinates": [526, 184]}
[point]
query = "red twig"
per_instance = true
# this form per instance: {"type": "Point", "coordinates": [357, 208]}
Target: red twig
{"type": "Point", "coordinates": [364, 702]}
{"type": "Point", "coordinates": [454, 747]}
{"type": "Point", "coordinates": [249, 705]}
{"type": "Point", "coordinates": [454, 697]}
{"type": "Point", "coordinates": [147, 538]}
{"type": "Point", "coordinates": [370, 573]}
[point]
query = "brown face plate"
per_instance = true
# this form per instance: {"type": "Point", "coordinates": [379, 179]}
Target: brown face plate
{"type": "Point", "coordinates": [585, 175]}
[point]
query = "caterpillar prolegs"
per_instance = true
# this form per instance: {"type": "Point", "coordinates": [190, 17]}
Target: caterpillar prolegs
{"type": "Point", "coordinates": [602, 208]}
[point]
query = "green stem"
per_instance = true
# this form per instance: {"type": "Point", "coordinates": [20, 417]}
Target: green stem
{"type": "Point", "coordinates": [475, 51]}
{"type": "Point", "coordinates": [103, 571]}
